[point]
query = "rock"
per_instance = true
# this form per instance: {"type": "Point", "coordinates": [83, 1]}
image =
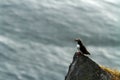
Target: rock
{"type": "Point", "coordinates": [83, 68]}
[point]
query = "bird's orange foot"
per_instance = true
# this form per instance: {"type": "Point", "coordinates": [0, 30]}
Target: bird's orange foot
{"type": "Point", "coordinates": [78, 53]}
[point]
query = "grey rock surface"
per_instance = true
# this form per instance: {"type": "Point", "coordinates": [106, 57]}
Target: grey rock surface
{"type": "Point", "coordinates": [83, 68]}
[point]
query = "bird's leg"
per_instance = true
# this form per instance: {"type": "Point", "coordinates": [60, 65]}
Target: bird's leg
{"type": "Point", "coordinates": [79, 53]}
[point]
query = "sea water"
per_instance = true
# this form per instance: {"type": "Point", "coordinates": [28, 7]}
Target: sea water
{"type": "Point", "coordinates": [37, 36]}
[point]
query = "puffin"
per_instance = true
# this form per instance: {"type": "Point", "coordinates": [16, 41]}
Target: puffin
{"type": "Point", "coordinates": [81, 48]}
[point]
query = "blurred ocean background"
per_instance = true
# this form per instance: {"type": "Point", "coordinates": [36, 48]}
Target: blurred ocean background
{"type": "Point", "coordinates": [36, 36]}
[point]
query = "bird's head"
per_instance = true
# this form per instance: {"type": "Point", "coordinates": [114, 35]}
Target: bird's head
{"type": "Point", "coordinates": [77, 40]}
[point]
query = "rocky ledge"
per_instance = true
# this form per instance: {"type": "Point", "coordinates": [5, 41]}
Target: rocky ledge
{"type": "Point", "coordinates": [83, 68]}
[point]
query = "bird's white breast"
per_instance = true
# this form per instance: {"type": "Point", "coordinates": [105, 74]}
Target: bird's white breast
{"type": "Point", "coordinates": [78, 46]}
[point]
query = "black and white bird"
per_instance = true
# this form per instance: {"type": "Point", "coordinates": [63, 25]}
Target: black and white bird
{"type": "Point", "coordinates": [81, 48]}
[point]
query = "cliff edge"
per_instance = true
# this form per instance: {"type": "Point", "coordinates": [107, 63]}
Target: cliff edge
{"type": "Point", "coordinates": [83, 68]}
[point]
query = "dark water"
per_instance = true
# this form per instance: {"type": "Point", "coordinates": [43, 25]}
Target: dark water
{"type": "Point", "coordinates": [36, 36]}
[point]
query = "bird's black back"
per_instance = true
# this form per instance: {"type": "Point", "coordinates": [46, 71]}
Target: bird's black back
{"type": "Point", "coordinates": [82, 48]}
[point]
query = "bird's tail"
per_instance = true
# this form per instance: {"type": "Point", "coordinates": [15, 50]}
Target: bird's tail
{"type": "Point", "coordinates": [88, 53]}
